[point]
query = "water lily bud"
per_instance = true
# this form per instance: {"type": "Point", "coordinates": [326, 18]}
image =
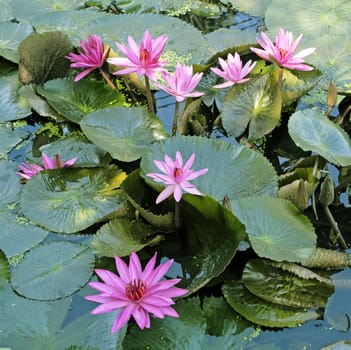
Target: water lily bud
{"type": "Point", "coordinates": [326, 195]}
{"type": "Point", "coordinates": [331, 96]}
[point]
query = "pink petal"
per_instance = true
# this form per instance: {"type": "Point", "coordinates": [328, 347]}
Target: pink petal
{"type": "Point", "coordinates": [122, 318]}
{"type": "Point", "coordinates": [165, 193]}
{"type": "Point", "coordinates": [122, 269]}
{"type": "Point", "coordinates": [134, 267]}
{"type": "Point", "coordinates": [141, 317]}
{"type": "Point", "coordinates": [108, 307]}
{"type": "Point", "coordinates": [177, 193]}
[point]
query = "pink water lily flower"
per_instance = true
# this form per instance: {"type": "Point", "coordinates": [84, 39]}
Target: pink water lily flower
{"type": "Point", "coordinates": [143, 59]}
{"type": "Point", "coordinates": [176, 176]}
{"type": "Point", "coordinates": [233, 70]}
{"type": "Point", "coordinates": [181, 83]}
{"type": "Point", "coordinates": [283, 50]}
{"type": "Point", "coordinates": [29, 170]}
{"type": "Point", "coordinates": [91, 57]}
{"type": "Point", "coordinates": [136, 292]}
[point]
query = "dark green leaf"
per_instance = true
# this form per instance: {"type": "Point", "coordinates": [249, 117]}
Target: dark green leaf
{"type": "Point", "coordinates": [262, 312]}
{"type": "Point", "coordinates": [42, 57]}
{"type": "Point", "coordinates": [121, 237]}
{"type": "Point", "coordinates": [74, 100]}
{"type": "Point", "coordinates": [278, 286]}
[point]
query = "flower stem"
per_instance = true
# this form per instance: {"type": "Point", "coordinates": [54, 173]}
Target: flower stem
{"type": "Point", "coordinates": [335, 227]}
{"type": "Point", "coordinates": [107, 78]}
{"type": "Point", "coordinates": [150, 100]}
{"type": "Point", "coordinates": [175, 119]}
{"type": "Point", "coordinates": [177, 224]}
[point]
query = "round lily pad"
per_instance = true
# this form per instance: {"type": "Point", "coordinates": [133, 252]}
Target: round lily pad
{"type": "Point", "coordinates": [52, 271]}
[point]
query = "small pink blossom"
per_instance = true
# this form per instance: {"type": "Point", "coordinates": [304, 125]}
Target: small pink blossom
{"type": "Point", "coordinates": [91, 57]}
{"type": "Point", "coordinates": [136, 292]}
{"type": "Point", "coordinates": [181, 83]}
{"type": "Point", "coordinates": [29, 170]}
{"type": "Point", "coordinates": [176, 177]}
{"type": "Point", "coordinates": [233, 70]}
{"type": "Point", "coordinates": [142, 59]}
{"type": "Point", "coordinates": [282, 51]}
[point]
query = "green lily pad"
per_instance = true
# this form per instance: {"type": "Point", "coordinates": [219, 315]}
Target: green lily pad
{"type": "Point", "coordinates": [10, 186]}
{"type": "Point", "coordinates": [181, 36]}
{"type": "Point", "coordinates": [4, 270]}
{"type": "Point", "coordinates": [24, 10]}
{"type": "Point", "coordinates": [10, 138]}
{"type": "Point", "coordinates": [123, 132]}
{"type": "Point", "coordinates": [262, 312]}
{"type": "Point", "coordinates": [276, 285]}
{"type": "Point", "coordinates": [190, 330]}
{"type": "Point", "coordinates": [74, 100]}
{"type": "Point", "coordinates": [232, 169]}
{"type": "Point", "coordinates": [88, 154]}
{"type": "Point", "coordinates": [253, 7]}
{"type": "Point", "coordinates": [18, 234]}
{"type": "Point", "coordinates": [143, 199]}
{"type": "Point", "coordinates": [298, 83]}
{"type": "Point", "coordinates": [323, 18]}
{"type": "Point", "coordinates": [74, 23]}
{"type": "Point", "coordinates": [54, 46]}
{"type": "Point", "coordinates": [13, 106]}
{"type": "Point", "coordinates": [70, 200]}
{"type": "Point", "coordinates": [53, 271]}
{"type": "Point", "coordinates": [223, 41]}
{"type": "Point", "coordinates": [6, 13]}
{"type": "Point", "coordinates": [255, 105]}
{"type": "Point", "coordinates": [37, 102]}
{"type": "Point", "coordinates": [20, 330]}
{"type": "Point", "coordinates": [333, 58]}
{"type": "Point", "coordinates": [59, 324]}
{"type": "Point", "coordinates": [313, 131]}
{"type": "Point", "coordinates": [121, 237]}
{"type": "Point", "coordinates": [11, 34]}
{"type": "Point", "coordinates": [277, 230]}
{"type": "Point", "coordinates": [213, 236]}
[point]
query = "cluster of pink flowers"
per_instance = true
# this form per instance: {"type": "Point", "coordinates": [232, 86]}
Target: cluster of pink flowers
{"type": "Point", "coordinates": [144, 59]}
